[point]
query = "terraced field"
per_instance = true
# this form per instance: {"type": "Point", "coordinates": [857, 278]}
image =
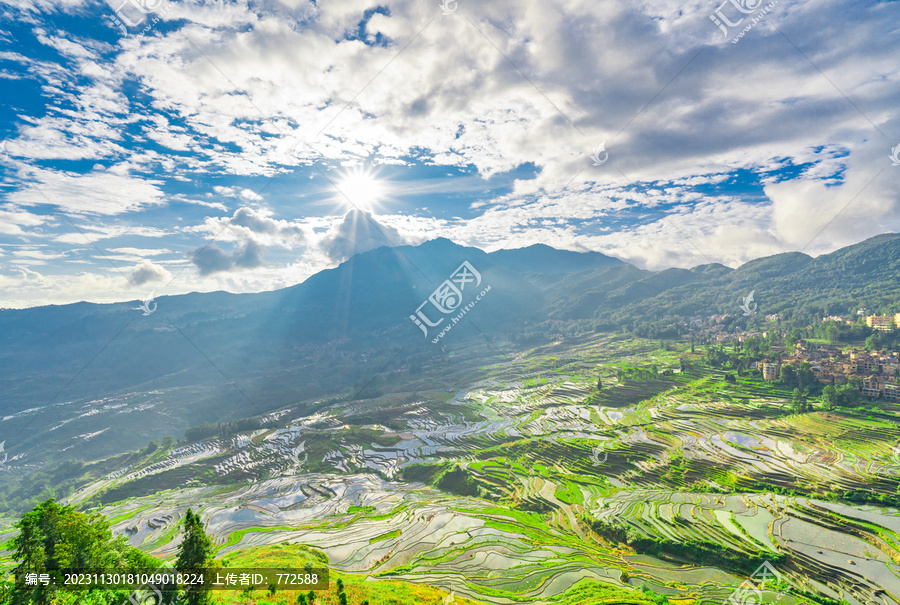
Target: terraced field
{"type": "Point", "coordinates": [517, 487]}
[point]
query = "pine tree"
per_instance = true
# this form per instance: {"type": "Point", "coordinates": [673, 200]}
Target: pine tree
{"type": "Point", "coordinates": [194, 554]}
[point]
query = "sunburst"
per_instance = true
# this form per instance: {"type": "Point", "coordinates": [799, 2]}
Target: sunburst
{"type": "Point", "coordinates": [361, 189]}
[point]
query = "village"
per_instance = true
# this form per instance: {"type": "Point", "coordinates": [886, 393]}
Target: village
{"type": "Point", "coordinates": [877, 372]}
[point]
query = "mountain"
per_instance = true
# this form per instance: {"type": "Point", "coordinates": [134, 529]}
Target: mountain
{"type": "Point", "coordinates": [541, 258]}
{"type": "Point", "coordinates": [99, 378]}
{"type": "Point", "coordinates": [792, 284]}
{"type": "Point", "coordinates": [216, 356]}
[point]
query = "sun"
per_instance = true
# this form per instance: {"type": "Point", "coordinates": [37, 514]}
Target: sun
{"type": "Point", "coordinates": [361, 189]}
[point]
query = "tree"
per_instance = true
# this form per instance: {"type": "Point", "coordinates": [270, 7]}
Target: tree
{"type": "Point", "coordinates": [830, 396]}
{"type": "Point", "coordinates": [599, 384]}
{"type": "Point", "coordinates": [788, 375]}
{"type": "Point", "coordinates": [805, 375]}
{"type": "Point", "coordinates": [311, 597]}
{"type": "Point", "coordinates": [301, 599]}
{"type": "Point", "coordinates": [53, 537]}
{"type": "Point", "coordinates": [194, 553]}
{"type": "Point", "coordinates": [799, 401]}
{"type": "Point", "coordinates": [846, 395]}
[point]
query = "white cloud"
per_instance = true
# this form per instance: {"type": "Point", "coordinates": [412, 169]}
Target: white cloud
{"type": "Point", "coordinates": [98, 192]}
{"type": "Point", "coordinates": [141, 252]}
{"type": "Point", "coordinates": [273, 73]}
{"type": "Point", "coordinates": [93, 233]}
{"type": "Point", "coordinates": [12, 221]}
{"type": "Point", "coordinates": [148, 272]}
{"type": "Point", "coordinates": [360, 231]}
{"type": "Point", "coordinates": [248, 195]}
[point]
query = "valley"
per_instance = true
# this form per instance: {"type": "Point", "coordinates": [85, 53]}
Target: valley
{"type": "Point", "coordinates": [525, 482]}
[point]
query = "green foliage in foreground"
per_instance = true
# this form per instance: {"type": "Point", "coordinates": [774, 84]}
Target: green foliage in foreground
{"type": "Point", "coordinates": [53, 537]}
{"type": "Point", "coordinates": [194, 552]}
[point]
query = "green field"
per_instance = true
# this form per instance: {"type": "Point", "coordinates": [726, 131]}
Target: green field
{"type": "Point", "coordinates": [533, 486]}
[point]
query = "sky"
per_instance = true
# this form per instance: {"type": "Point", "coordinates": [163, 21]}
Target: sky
{"type": "Point", "coordinates": [156, 146]}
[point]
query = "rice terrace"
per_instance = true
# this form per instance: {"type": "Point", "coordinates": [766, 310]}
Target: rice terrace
{"type": "Point", "coordinates": [445, 302]}
{"type": "Point", "coordinates": [497, 492]}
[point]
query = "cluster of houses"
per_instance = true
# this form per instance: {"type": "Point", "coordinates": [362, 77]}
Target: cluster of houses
{"type": "Point", "coordinates": [885, 323]}
{"type": "Point", "coordinates": [878, 371]}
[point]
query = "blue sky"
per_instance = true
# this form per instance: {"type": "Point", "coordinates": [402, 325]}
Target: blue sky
{"type": "Point", "coordinates": [138, 133]}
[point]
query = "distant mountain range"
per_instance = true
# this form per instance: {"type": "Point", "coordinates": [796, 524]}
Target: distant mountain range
{"type": "Point", "coordinates": [201, 357]}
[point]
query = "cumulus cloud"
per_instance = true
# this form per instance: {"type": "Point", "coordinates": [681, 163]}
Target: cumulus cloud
{"type": "Point", "coordinates": [359, 231]}
{"type": "Point", "coordinates": [681, 112]}
{"type": "Point", "coordinates": [148, 272]}
{"type": "Point", "coordinates": [212, 259]}
{"type": "Point", "coordinates": [258, 225]}
{"type": "Point", "coordinates": [252, 230]}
